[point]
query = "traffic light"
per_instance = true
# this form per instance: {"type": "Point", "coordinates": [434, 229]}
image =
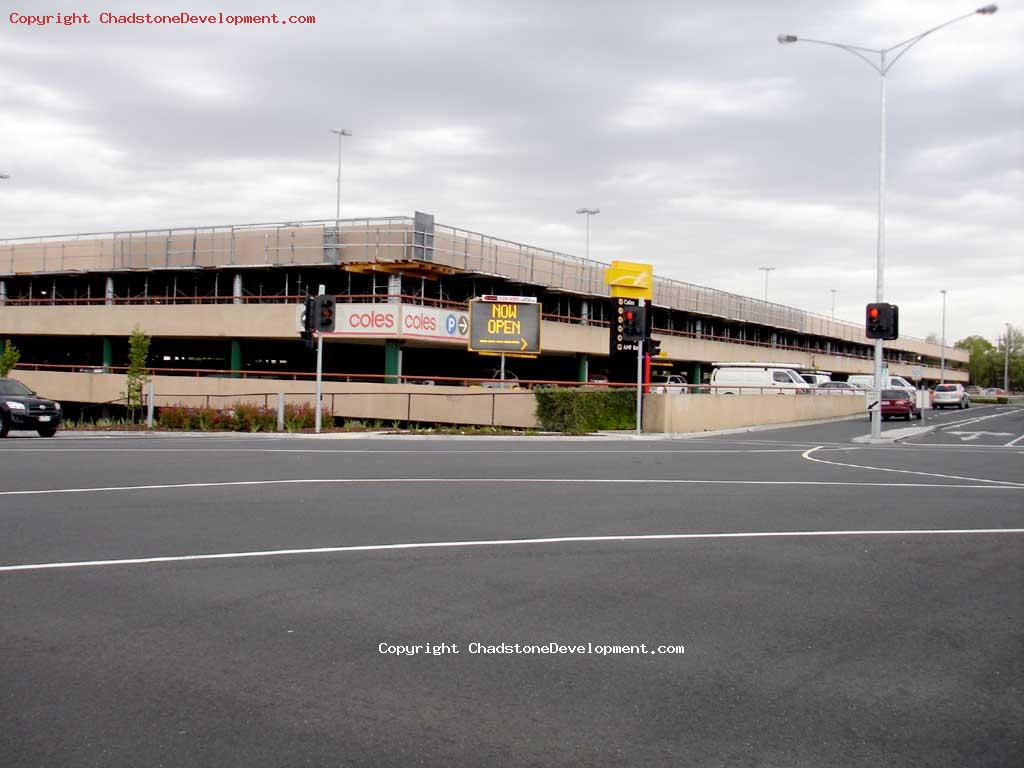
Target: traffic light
{"type": "Point", "coordinates": [634, 323]}
{"type": "Point", "coordinates": [654, 347]}
{"type": "Point", "coordinates": [323, 314]}
{"type": "Point", "coordinates": [882, 321]}
{"type": "Point", "coordinates": [307, 320]}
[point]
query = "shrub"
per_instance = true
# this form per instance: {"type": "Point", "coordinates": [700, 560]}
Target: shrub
{"type": "Point", "coordinates": [577, 411]}
{"type": "Point", "coordinates": [298, 417]}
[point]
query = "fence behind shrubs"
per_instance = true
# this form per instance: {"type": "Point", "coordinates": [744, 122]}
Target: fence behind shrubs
{"type": "Point", "coordinates": [240, 417]}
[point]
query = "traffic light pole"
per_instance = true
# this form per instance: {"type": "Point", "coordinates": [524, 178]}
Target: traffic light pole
{"type": "Point", "coordinates": [319, 371]}
{"type": "Point", "coordinates": [319, 377]}
{"type": "Point", "coordinates": [639, 385]}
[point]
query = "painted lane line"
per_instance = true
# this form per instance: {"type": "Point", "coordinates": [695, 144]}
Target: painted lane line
{"type": "Point", "coordinates": [514, 480]}
{"type": "Point", "coordinates": [998, 483]}
{"type": "Point", "coordinates": [508, 543]}
{"type": "Point", "coordinates": [444, 451]}
{"type": "Point", "coordinates": [946, 426]}
{"type": "Point", "coordinates": [1014, 441]}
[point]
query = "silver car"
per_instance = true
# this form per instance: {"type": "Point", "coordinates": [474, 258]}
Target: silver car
{"type": "Point", "coordinates": [950, 396]}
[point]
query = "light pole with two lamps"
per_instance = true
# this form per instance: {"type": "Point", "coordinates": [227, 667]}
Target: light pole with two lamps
{"type": "Point", "coordinates": [766, 270]}
{"type": "Point", "coordinates": [337, 205]}
{"type": "Point", "coordinates": [882, 67]}
{"type": "Point", "coordinates": [588, 212]}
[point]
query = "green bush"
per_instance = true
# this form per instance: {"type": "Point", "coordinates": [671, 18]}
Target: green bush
{"type": "Point", "coordinates": [581, 410]}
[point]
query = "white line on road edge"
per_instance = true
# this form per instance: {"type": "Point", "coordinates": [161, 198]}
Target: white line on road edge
{"type": "Point", "coordinates": [427, 452]}
{"type": "Point", "coordinates": [524, 480]}
{"type": "Point", "coordinates": [506, 543]}
{"type": "Point", "coordinates": [944, 426]}
{"type": "Point", "coordinates": [997, 483]}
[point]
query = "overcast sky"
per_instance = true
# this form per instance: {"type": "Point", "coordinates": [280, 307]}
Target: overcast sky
{"type": "Point", "coordinates": [710, 149]}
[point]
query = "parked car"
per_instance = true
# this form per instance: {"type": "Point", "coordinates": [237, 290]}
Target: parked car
{"type": "Point", "coordinates": [867, 381]}
{"type": "Point", "coordinates": [994, 392]}
{"type": "Point", "coordinates": [899, 403]}
{"type": "Point", "coordinates": [950, 396]}
{"type": "Point", "coordinates": [974, 390]}
{"type": "Point", "coordinates": [757, 379]}
{"type": "Point", "coordinates": [21, 408]}
{"type": "Point", "coordinates": [669, 385]}
{"type": "Point", "coordinates": [816, 378]}
{"type": "Point", "coordinates": [838, 388]}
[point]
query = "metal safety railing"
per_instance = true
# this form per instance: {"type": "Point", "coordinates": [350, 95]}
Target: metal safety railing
{"type": "Point", "coordinates": [393, 239]}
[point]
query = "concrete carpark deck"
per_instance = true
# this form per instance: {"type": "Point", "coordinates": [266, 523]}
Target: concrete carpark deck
{"type": "Point", "coordinates": [838, 604]}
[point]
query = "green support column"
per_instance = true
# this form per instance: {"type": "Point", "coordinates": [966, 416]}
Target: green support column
{"type": "Point", "coordinates": [583, 370]}
{"type": "Point", "coordinates": [392, 361]}
{"type": "Point", "coordinates": [108, 352]}
{"type": "Point", "coordinates": [695, 373]}
{"type": "Point", "coordinates": [236, 358]}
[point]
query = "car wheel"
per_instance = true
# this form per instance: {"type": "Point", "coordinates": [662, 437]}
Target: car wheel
{"type": "Point", "coordinates": [47, 432]}
{"type": "Point", "coordinates": [920, 415]}
{"type": "Point", "coordinates": [4, 426]}
{"type": "Point", "coordinates": [960, 406]}
{"type": "Point", "coordinates": [907, 417]}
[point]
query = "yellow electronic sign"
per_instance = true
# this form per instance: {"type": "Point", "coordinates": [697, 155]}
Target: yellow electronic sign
{"type": "Point", "coordinates": [502, 324]}
{"type": "Point", "coordinates": [630, 280]}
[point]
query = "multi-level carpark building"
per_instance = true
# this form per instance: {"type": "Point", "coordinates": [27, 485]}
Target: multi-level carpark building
{"type": "Point", "coordinates": [221, 305]}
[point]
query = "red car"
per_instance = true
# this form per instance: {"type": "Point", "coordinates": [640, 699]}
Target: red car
{"type": "Point", "coordinates": [899, 403]}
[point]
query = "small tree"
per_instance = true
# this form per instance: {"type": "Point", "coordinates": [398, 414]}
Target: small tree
{"type": "Point", "coordinates": [137, 374]}
{"type": "Point", "coordinates": [8, 358]}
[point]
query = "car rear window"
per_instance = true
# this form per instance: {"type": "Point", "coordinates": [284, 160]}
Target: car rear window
{"type": "Point", "coordinates": [946, 388]}
{"type": "Point", "coordinates": [895, 394]}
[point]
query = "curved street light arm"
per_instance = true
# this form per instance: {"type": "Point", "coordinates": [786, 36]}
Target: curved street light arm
{"type": "Point", "coordinates": [911, 42]}
{"type": "Point", "coordinates": [855, 50]}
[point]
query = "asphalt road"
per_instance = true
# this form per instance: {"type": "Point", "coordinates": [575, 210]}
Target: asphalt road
{"type": "Point", "coordinates": [836, 630]}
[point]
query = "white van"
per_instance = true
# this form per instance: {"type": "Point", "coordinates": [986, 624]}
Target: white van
{"type": "Point", "coordinates": [757, 379]}
{"type": "Point", "coordinates": [815, 378]}
{"type": "Point", "coordinates": [868, 382]}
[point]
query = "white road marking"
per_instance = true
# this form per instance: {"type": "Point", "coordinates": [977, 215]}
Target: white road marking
{"type": "Point", "coordinates": [946, 425]}
{"type": "Point", "coordinates": [510, 542]}
{"type": "Point", "coordinates": [1005, 483]}
{"type": "Point", "coordinates": [1000, 485]}
{"type": "Point", "coordinates": [1014, 441]}
{"type": "Point", "coordinates": [968, 437]}
{"type": "Point", "coordinates": [521, 451]}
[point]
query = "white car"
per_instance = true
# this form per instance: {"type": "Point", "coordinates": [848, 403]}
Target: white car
{"type": "Point", "coordinates": [670, 385]}
{"type": "Point", "coordinates": [868, 382]}
{"type": "Point", "coordinates": [838, 388]}
{"type": "Point", "coordinates": [950, 396]}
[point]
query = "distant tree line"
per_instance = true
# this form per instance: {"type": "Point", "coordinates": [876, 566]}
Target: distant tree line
{"type": "Point", "coordinates": [988, 359]}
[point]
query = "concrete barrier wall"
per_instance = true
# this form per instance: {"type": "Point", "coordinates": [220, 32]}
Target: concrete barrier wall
{"type": "Point", "coordinates": [701, 413]}
{"type": "Point", "coordinates": [386, 402]}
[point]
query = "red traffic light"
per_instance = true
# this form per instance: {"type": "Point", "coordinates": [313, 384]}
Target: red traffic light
{"type": "Point", "coordinates": [873, 313]}
{"type": "Point", "coordinates": [629, 316]}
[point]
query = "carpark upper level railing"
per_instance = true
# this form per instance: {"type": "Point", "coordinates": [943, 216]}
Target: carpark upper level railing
{"type": "Point", "coordinates": [395, 239]}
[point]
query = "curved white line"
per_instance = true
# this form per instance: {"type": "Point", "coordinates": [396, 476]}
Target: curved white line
{"type": "Point", "coordinates": [997, 483]}
{"type": "Point", "coordinates": [505, 543]}
{"type": "Point", "coordinates": [494, 480]}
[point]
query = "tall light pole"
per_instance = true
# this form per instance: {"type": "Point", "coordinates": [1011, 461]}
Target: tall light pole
{"type": "Point", "coordinates": [1006, 360]}
{"type": "Point", "coordinates": [766, 270]}
{"type": "Point", "coordinates": [882, 67]}
{"type": "Point", "coordinates": [337, 207]}
{"type": "Point", "coordinates": [942, 369]}
{"type": "Point", "coordinates": [833, 303]}
{"type": "Point", "coordinates": [588, 212]}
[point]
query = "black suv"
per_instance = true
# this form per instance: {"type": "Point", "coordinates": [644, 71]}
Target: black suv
{"type": "Point", "coordinates": [21, 409]}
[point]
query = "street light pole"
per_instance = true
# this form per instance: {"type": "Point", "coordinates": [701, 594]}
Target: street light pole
{"type": "Point", "coordinates": [766, 270]}
{"type": "Point", "coordinates": [337, 205]}
{"type": "Point", "coordinates": [882, 68]}
{"type": "Point", "coordinates": [1006, 360]}
{"type": "Point", "coordinates": [942, 369]}
{"type": "Point", "coordinates": [833, 303]}
{"type": "Point", "coordinates": [588, 212]}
